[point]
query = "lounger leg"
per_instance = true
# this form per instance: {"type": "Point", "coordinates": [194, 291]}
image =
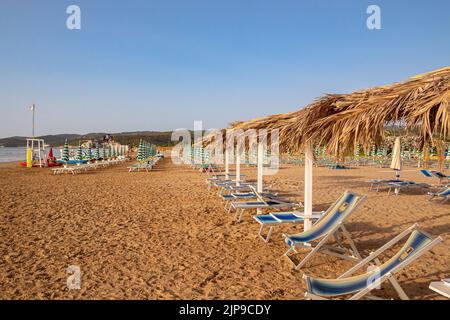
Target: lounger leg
{"type": "Point", "coordinates": [352, 244]}
{"type": "Point", "coordinates": [266, 238]}
{"type": "Point", "coordinates": [236, 215]}
{"type": "Point", "coordinates": [313, 251]}
{"type": "Point", "coordinates": [401, 293]}
{"type": "Point", "coordinates": [310, 296]}
{"type": "Point", "coordinates": [241, 213]}
{"type": "Point", "coordinates": [288, 254]}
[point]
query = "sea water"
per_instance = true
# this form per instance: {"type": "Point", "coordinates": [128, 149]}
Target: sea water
{"type": "Point", "coordinates": [19, 154]}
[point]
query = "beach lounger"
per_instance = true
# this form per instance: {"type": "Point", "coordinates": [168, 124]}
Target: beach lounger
{"type": "Point", "coordinates": [138, 167]}
{"type": "Point", "coordinates": [359, 286]}
{"type": "Point", "coordinates": [234, 187]}
{"type": "Point", "coordinates": [443, 178]}
{"type": "Point", "coordinates": [278, 218]}
{"type": "Point", "coordinates": [331, 225]}
{"type": "Point", "coordinates": [426, 173]}
{"type": "Point", "coordinates": [73, 170]}
{"type": "Point", "coordinates": [221, 180]}
{"type": "Point", "coordinates": [445, 194]}
{"type": "Point", "coordinates": [262, 203]}
{"type": "Point", "coordinates": [221, 177]}
{"type": "Point", "coordinates": [230, 185]}
{"type": "Point", "coordinates": [442, 287]}
{"type": "Point", "coordinates": [397, 186]}
{"type": "Point", "coordinates": [281, 218]}
{"type": "Point", "coordinates": [243, 196]}
{"type": "Point", "coordinates": [381, 182]}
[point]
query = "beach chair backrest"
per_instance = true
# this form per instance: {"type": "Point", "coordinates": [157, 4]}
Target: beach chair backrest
{"type": "Point", "coordinates": [257, 194]}
{"type": "Point", "coordinates": [439, 174]}
{"type": "Point", "coordinates": [445, 193]}
{"type": "Point", "coordinates": [418, 243]}
{"type": "Point", "coordinates": [337, 213]}
{"type": "Point", "coordinates": [426, 173]}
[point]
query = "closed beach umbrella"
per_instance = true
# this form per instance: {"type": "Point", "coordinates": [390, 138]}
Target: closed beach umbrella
{"type": "Point", "coordinates": [89, 154]}
{"type": "Point", "coordinates": [65, 153]}
{"type": "Point", "coordinates": [396, 163]}
{"type": "Point", "coordinates": [139, 156]}
{"type": "Point", "coordinates": [96, 153]}
{"type": "Point", "coordinates": [79, 155]}
{"type": "Point", "coordinates": [103, 153]}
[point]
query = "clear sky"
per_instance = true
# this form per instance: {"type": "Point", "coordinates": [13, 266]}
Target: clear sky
{"type": "Point", "coordinates": [161, 64]}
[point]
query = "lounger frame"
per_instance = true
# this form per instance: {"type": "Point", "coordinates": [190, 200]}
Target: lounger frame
{"type": "Point", "coordinates": [390, 276]}
{"type": "Point", "coordinates": [337, 232]}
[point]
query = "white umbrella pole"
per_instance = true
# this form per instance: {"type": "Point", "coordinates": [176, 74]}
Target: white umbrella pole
{"type": "Point", "coordinates": [308, 184]}
{"type": "Point", "coordinates": [238, 167]}
{"type": "Point", "coordinates": [260, 156]}
{"type": "Point", "coordinates": [260, 166]}
{"type": "Point", "coordinates": [227, 167]}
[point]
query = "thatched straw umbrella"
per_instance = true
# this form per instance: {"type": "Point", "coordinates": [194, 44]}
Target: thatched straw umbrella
{"type": "Point", "coordinates": [421, 104]}
{"type": "Point", "coordinates": [341, 121]}
{"type": "Point", "coordinates": [273, 122]}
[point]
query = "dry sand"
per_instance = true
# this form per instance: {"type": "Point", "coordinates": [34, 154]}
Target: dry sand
{"type": "Point", "coordinates": [162, 235]}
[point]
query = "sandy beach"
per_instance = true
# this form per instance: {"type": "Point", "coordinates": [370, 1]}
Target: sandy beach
{"type": "Point", "coordinates": [162, 235]}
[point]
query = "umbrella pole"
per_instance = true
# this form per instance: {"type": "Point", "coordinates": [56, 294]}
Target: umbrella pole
{"type": "Point", "coordinates": [308, 184]}
{"type": "Point", "coordinates": [227, 168]}
{"type": "Point", "coordinates": [260, 166]}
{"type": "Point", "coordinates": [260, 156]}
{"type": "Point", "coordinates": [238, 167]}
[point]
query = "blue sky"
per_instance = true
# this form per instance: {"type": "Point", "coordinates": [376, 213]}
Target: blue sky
{"type": "Point", "coordinates": [160, 65]}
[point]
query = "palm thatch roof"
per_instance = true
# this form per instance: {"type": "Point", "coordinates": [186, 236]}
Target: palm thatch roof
{"type": "Point", "coordinates": [422, 104]}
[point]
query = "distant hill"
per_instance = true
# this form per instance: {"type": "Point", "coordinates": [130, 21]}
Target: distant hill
{"type": "Point", "coordinates": [132, 138]}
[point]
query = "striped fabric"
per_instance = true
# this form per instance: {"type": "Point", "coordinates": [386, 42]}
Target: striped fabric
{"type": "Point", "coordinates": [426, 173]}
{"type": "Point", "coordinates": [65, 153]}
{"type": "Point", "coordinates": [323, 287]}
{"type": "Point", "coordinates": [340, 211]}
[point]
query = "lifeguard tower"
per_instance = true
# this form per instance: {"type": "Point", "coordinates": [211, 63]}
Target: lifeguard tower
{"type": "Point", "coordinates": [35, 146]}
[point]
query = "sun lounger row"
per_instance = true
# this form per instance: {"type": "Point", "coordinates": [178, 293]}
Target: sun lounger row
{"type": "Point", "coordinates": [242, 196]}
{"type": "Point", "coordinates": [443, 178]}
{"type": "Point", "coordinates": [147, 166]}
{"type": "Point", "coordinates": [76, 169]}
{"type": "Point", "coordinates": [331, 224]}
{"type": "Point", "coordinates": [328, 235]}
{"type": "Point", "coordinates": [395, 184]}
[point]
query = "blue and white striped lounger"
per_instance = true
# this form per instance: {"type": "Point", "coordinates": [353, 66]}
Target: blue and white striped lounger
{"type": "Point", "coordinates": [426, 173]}
{"type": "Point", "coordinates": [418, 243]}
{"type": "Point", "coordinates": [278, 218]}
{"type": "Point", "coordinates": [242, 196]}
{"type": "Point", "coordinates": [232, 186]}
{"type": "Point", "coordinates": [274, 219]}
{"type": "Point", "coordinates": [397, 186]}
{"type": "Point", "coordinates": [381, 182]}
{"type": "Point", "coordinates": [315, 238]}
{"type": "Point", "coordinates": [445, 194]}
{"type": "Point", "coordinates": [270, 203]}
{"type": "Point", "coordinates": [441, 176]}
